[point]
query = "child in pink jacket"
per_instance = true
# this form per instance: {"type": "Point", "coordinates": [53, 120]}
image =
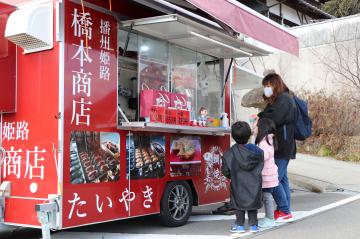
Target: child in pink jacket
{"type": "Point", "coordinates": [265, 139]}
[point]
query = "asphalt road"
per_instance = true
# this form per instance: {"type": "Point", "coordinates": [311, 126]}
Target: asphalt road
{"type": "Point", "coordinates": [341, 222]}
{"type": "Point", "coordinates": [338, 222]}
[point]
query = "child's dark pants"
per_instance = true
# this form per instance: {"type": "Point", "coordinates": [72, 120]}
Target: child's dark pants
{"type": "Point", "coordinates": [240, 217]}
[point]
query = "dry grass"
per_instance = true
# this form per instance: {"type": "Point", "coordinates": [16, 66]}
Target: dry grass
{"type": "Point", "coordinates": [336, 127]}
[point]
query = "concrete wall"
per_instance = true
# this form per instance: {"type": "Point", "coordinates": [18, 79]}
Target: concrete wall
{"type": "Point", "coordinates": [310, 71]}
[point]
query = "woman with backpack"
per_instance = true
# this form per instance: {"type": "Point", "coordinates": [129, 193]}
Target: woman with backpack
{"type": "Point", "coordinates": [281, 110]}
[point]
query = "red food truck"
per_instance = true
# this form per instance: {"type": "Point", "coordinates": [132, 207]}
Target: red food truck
{"type": "Point", "coordinates": [118, 109]}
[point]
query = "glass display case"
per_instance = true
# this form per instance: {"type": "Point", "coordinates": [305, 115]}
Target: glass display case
{"type": "Point", "coordinates": [128, 75]}
{"type": "Point", "coordinates": [184, 76]}
{"type": "Point", "coordinates": [153, 64]}
{"type": "Point", "coordinates": [210, 83]}
{"type": "Point", "coordinates": [167, 88]}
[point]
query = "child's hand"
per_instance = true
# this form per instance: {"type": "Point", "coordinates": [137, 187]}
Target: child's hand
{"type": "Point", "coordinates": [254, 130]}
{"type": "Point", "coordinates": [256, 121]}
{"type": "Point", "coordinates": [253, 123]}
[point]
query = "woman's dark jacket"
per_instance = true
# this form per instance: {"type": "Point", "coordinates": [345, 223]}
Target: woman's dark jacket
{"type": "Point", "coordinates": [282, 112]}
{"type": "Point", "coordinates": [244, 167]}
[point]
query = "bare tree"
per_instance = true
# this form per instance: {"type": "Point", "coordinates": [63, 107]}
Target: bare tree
{"type": "Point", "coordinates": [343, 61]}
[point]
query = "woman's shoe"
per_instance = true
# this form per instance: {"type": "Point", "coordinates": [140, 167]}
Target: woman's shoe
{"type": "Point", "coordinates": [284, 217]}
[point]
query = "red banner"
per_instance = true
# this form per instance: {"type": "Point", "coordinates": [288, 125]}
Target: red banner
{"type": "Point", "coordinates": [91, 152]}
{"type": "Point", "coordinates": [90, 68]}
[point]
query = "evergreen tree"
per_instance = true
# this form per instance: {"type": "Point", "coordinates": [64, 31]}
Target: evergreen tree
{"type": "Point", "coordinates": [342, 8]}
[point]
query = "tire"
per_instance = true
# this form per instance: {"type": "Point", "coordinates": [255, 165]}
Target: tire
{"type": "Point", "coordinates": [176, 204]}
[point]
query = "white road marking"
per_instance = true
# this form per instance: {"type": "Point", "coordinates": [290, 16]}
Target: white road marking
{"type": "Point", "coordinates": [205, 218]}
{"type": "Point", "coordinates": [95, 235]}
{"type": "Point", "coordinates": [330, 206]}
{"type": "Point", "coordinates": [298, 215]}
{"type": "Point", "coordinates": [304, 214]}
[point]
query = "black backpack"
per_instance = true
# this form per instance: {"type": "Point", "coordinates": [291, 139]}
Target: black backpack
{"type": "Point", "coordinates": [303, 123]}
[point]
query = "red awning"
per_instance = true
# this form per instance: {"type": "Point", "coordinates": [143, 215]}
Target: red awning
{"type": "Point", "coordinates": [14, 2]}
{"type": "Point", "coordinates": [21, 2]}
{"type": "Point", "coordinates": [246, 21]}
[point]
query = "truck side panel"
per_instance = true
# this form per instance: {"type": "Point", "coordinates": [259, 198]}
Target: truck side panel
{"type": "Point", "coordinates": [30, 136]}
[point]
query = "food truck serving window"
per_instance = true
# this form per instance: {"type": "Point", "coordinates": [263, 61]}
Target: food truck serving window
{"type": "Point", "coordinates": [179, 80]}
{"type": "Point", "coordinates": [167, 87]}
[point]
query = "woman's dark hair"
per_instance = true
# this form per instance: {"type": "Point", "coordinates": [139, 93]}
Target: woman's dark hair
{"type": "Point", "coordinates": [277, 84]}
{"type": "Point", "coordinates": [266, 127]}
{"type": "Point", "coordinates": [240, 132]}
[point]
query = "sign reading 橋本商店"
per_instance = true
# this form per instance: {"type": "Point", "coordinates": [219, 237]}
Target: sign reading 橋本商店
{"type": "Point", "coordinates": [91, 143]}
{"type": "Point", "coordinates": [90, 65]}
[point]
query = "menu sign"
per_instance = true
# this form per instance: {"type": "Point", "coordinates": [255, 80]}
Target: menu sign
{"type": "Point", "coordinates": [90, 68]}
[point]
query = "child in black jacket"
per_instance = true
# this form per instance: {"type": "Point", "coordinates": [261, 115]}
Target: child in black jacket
{"type": "Point", "coordinates": [243, 164]}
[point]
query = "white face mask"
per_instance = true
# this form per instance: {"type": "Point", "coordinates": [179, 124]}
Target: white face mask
{"type": "Point", "coordinates": [268, 91]}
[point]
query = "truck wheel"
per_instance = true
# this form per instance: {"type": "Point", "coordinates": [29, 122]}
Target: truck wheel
{"type": "Point", "coordinates": [176, 204]}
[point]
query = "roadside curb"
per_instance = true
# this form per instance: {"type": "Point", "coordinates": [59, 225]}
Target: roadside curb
{"type": "Point", "coordinates": [311, 184]}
